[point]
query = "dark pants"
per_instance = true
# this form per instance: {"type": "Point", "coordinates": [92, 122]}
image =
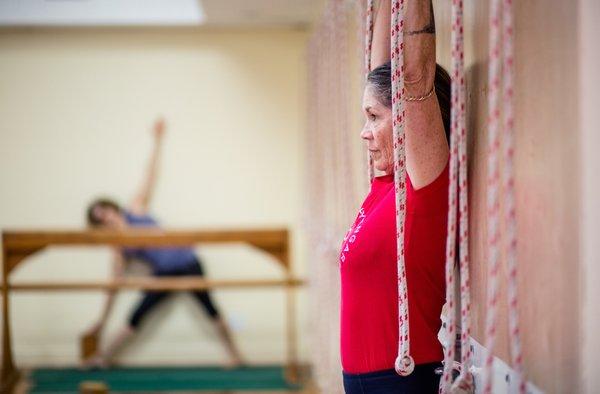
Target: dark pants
{"type": "Point", "coordinates": [153, 298]}
{"type": "Point", "coordinates": [423, 380]}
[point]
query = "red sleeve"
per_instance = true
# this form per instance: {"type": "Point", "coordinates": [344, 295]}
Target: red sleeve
{"type": "Point", "coordinates": [432, 198]}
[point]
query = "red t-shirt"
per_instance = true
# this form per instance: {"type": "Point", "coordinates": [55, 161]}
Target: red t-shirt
{"type": "Point", "coordinates": [369, 287]}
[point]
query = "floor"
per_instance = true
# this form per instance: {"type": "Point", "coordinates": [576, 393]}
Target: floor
{"type": "Point", "coordinates": [181, 380]}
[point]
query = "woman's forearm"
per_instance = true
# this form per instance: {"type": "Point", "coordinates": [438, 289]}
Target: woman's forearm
{"type": "Point", "coordinates": [426, 145]}
{"type": "Point", "coordinates": [419, 43]}
{"type": "Point", "coordinates": [118, 268]}
{"type": "Point", "coordinates": [144, 195]}
{"type": "Point", "coordinates": [147, 188]}
{"type": "Point", "coordinates": [380, 52]}
{"type": "Point", "coordinates": [419, 47]}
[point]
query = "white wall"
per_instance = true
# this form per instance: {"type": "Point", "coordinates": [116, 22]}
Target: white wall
{"type": "Point", "coordinates": [76, 106]}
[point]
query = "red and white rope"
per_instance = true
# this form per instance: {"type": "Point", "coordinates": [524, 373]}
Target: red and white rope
{"type": "Point", "coordinates": [493, 184]}
{"type": "Point", "coordinates": [329, 181]}
{"type": "Point", "coordinates": [332, 165]}
{"type": "Point", "coordinates": [450, 328]}
{"type": "Point", "coordinates": [446, 381]}
{"type": "Point", "coordinates": [509, 193]}
{"type": "Point", "coordinates": [464, 382]}
{"type": "Point", "coordinates": [367, 63]}
{"type": "Point", "coordinates": [347, 183]}
{"type": "Point", "coordinates": [404, 362]}
{"type": "Point", "coordinates": [505, 58]}
{"type": "Point", "coordinates": [336, 132]}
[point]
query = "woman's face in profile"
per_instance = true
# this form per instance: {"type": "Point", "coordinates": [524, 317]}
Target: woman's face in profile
{"type": "Point", "coordinates": [377, 131]}
{"type": "Point", "coordinates": [109, 217]}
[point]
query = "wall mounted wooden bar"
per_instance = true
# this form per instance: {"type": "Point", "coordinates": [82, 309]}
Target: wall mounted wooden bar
{"type": "Point", "coordinates": [18, 245]}
{"type": "Point", "coordinates": [165, 283]}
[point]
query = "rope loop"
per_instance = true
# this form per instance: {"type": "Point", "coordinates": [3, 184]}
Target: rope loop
{"type": "Point", "coordinates": [404, 365]}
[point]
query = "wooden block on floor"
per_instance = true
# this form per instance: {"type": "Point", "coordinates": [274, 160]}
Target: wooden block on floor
{"type": "Point", "coordinates": [91, 387]}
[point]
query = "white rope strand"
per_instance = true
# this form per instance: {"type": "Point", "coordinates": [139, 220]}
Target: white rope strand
{"type": "Point", "coordinates": [509, 193]}
{"type": "Point", "coordinates": [404, 362]}
{"type": "Point", "coordinates": [368, 48]}
{"type": "Point", "coordinates": [493, 177]}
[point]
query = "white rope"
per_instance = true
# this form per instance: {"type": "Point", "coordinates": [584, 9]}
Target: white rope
{"type": "Point", "coordinates": [458, 155]}
{"type": "Point", "coordinates": [404, 364]}
{"type": "Point", "coordinates": [368, 48]}
{"type": "Point", "coordinates": [502, 65]}
{"type": "Point", "coordinates": [493, 205]}
{"type": "Point", "coordinates": [450, 313]}
{"type": "Point", "coordinates": [509, 193]}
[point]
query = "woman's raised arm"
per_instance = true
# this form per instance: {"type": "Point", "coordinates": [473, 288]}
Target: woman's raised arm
{"type": "Point", "coordinates": [380, 51]}
{"type": "Point", "coordinates": [142, 198]}
{"type": "Point", "coordinates": [426, 146]}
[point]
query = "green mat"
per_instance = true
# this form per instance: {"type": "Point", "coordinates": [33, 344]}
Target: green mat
{"type": "Point", "coordinates": [50, 380]}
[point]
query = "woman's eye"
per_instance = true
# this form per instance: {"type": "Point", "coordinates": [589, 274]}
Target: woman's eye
{"type": "Point", "coordinates": [372, 117]}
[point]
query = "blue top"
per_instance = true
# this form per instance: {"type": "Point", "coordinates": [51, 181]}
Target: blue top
{"type": "Point", "coordinates": [163, 260]}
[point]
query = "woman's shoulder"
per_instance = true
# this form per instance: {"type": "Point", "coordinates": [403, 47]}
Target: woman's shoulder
{"type": "Point", "coordinates": [431, 198]}
{"type": "Point", "coordinates": [440, 182]}
{"type": "Point", "coordinates": [136, 218]}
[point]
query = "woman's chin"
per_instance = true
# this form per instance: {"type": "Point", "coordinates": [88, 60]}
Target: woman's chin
{"type": "Point", "coordinates": [382, 167]}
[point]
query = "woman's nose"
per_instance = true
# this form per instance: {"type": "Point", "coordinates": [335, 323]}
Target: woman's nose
{"type": "Point", "coordinates": [366, 133]}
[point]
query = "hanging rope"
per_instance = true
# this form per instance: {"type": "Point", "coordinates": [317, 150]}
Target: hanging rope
{"type": "Point", "coordinates": [493, 183]}
{"type": "Point", "coordinates": [368, 47]}
{"type": "Point", "coordinates": [322, 215]}
{"type": "Point", "coordinates": [404, 362]}
{"type": "Point", "coordinates": [502, 9]}
{"type": "Point", "coordinates": [450, 314]}
{"type": "Point", "coordinates": [465, 380]}
{"type": "Point", "coordinates": [501, 65]}
{"type": "Point", "coordinates": [348, 188]}
{"type": "Point", "coordinates": [335, 133]}
{"type": "Point", "coordinates": [509, 193]}
{"type": "Point", "coordinates": [458, 157]}
{"type": "Point", "coordinates": [331, 165]}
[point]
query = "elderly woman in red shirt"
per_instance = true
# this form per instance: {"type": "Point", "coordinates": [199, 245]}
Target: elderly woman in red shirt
{"type": "Point", "coordinates": [369, 309]}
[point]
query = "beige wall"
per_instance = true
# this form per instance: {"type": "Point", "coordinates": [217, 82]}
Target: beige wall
{"type": "Point", "coordinates": [589, 83]}
{"type": "Point", "coordinates": [75, 109]}
{"type": "Point", "coordinates": [547, 182]}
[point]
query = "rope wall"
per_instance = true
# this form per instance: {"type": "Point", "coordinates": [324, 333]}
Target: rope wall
{"type": "Point", "coordinates": [334, 191]}
{"type": "Point", "coordinates": [322, 273]}
{"type": "Point", "coordinates": [336, 181]}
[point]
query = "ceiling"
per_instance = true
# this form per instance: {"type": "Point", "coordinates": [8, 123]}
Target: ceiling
{"type": "Point", "coordinates": [261, 12]}
{"type": "Point", "coordinates": [215, 13]}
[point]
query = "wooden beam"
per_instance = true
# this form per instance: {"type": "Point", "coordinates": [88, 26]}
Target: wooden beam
{"type": "Point", "coordinates": [24, 243]}
{"type": "Point", "coordinates": [270, 239]}
{"type": "Point", "coordinates": [164, 284]}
